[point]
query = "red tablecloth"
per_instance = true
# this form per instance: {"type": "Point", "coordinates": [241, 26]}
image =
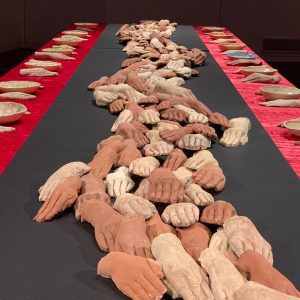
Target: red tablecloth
{"type": "Point", "coordinates": [11, 142]}
{"type": "Point", "coordinates": [269, 117]}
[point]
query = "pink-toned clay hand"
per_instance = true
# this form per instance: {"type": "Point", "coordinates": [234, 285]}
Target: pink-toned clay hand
{"type": "Point", "coordinates": [165, 187]}
{"type": "Point", "coordinates": [136, 82]}
{"type": "Point", "coordinates": [117, 106]}
{"type": "Point", "coordinates": [118, 77]}
{"type": "Point", "coordinates": [244, 62]}
{"type": "Point", "coordinates": [259, 270]}
{"type": "Point", "coordinates": [129, 61]}
{"type": "Point", "coordinates": [92, 184]}
{"type": "Point", "coordinates": [131, 237]}
{"type": "Point", "coordinates": [174, 114]}
{"type": "Point", "coordinates": [155, 226]}
{"type": "Point", "coordinates": [135, 109]}
{"type": "Point", "coordinates": [141, 127]}
{"type": "Point", "coordinates": [205, 130]}
{"type": "Point", "coordinates": [198, 56]}
{"type": "Point", "coordinates": [143, 189]}
{"type": "Point", "coordinates": [174, 160]}
{"type": "Point", "coordinates": [194, 239]}
{"type": "Point", "coordinates": [95, 210]}
{"type": "Point", "coordinates": [148, 100]}
{"type": "Point", "coordinates": [114, 142]}
{"type": "Point", "coordinates": [218, 213]}
{"type": "Point", "coordinates": [219, 119]}
{"type": "Point", "coordinates": [198, 106]}
{"type": "Point", "coordinates": [100, 82]}
{"type": "Point", "coordinates": [129, 153]}
{"type": "Point", "coordinates": [175, 134]}
{"type": "Point", "coordinates": [210, 177]}
{"type": "Point", "coordinates": [64, 195]}
{"type": "Point", "coordinates": [129, 131]}
{"type": "Point", "coordinates": [137, 277]}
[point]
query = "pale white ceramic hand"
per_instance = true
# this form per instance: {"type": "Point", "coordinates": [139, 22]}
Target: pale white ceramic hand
{"type": "Point", "coordinates": [219, 240]}
{"type": "Point", "coordinates": [194, 142]}
{"type": "Point", "coordinates": [200, 159]}
{"type": "Point", "coordinates": [149, 116]}
{"type": "Point", "coordinates": [126, 116]}
{"type": "Point", "coordinates": [158, 148]}
{"type": "Point", "coordinates": [195, 194]}
{"type": "Point", "coordinates": [144, 166]}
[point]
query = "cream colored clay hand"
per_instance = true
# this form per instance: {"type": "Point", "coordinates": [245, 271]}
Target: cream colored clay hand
{"type": "Point", "coordinates": [178, 81]}
{"type": "Point", "coordinates": [129, 204]}
{"type": "Point", "coordinates": [181, 214]}
{"type": "Point", "coordinates": [184, 72]}
{"type": "Point", "coordinates": [176, 64]}
{"type": "Point", "coordinates": [52, 55]}
{"type": "Point", "coordinates": [126, 116]}
{"type": "Point", "coordinates": [243, 235]}
{"type": "Point", "coordinates": [153, 136]}
{"type": "Point", "coordinates": [119, 182]}
{"type": "Point", "coordinates": [155, 43]}
{"type": "Point", "coordinates": [183, 275]}
{"type": "Point", "coordinates": [219, 241]}
{"type": "Point", "coordinates": [195, 194]}
{"type": "Point", "coordinates": [263, 78]}
{"type": "Point", "coordinates": [144, 166]}
{"type": "Point", "coordinates": [158, 148]}
{"type": "Point", "coordinates": [149, 116]}
{"type": "Point", "coordinates": [196, 117]}
{"type": "Point", "coordinates": [200, 159]}
{"type": "Point", "coordinates": [234, 137]}
{"type": "Point", "coordinates": [183, 174]}
{"type": "Point", "coordinates": [282, 102]}
{"type": "Point", "coordinates": [167, 125]}
{"type": "Point", "coordinates": [194, 142]}
{"type": "Point", "coordinates": [40, 72]}
{"type": "Point", "coordinates": [174, 90]}
{"type": "Point", "coordinates": [76, 168]}
{"type": "Point", "coordinates": [225, 279]}
{"type": "Point", "coordinates": [104, 98]}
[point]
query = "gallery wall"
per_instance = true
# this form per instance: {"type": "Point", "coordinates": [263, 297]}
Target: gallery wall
{"type": "Point", "coordinates": [31, 23]}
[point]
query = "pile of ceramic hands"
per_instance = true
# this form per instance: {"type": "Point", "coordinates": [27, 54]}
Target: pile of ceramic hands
{"type": "Point", "coordinates": [193, 259]}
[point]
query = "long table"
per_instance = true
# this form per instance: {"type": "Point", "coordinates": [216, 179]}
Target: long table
{"type": "Point", "coordinates": [58, 259]}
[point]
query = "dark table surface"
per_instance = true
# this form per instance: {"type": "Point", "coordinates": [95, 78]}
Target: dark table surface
{"type": "Point", "coordinates": [57, 260]}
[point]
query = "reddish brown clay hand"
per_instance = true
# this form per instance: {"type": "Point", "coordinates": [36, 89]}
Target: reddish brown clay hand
{"type": "Point", "coordinates": [218, 213]}
{"type": "Point", "coordinates": [198, 56]}
{"type": "Point", "coordinates": [135, 109]}
{"type": "Point", "coordinates": [129, 153]}
{"type": "Point", "coordinates": [219, 119]}
{"type": "Point", "coordinates": [155, 226]}
{"type": "Point", "coordinates": [131, 237]}
{"type": "Point", "coordinates": [139, 126]}
{"type": "Point", "coordinates": [64, 195]}
{"type": "Point", "coordinates": [260, 271]}
{"type": "Point", "coordinates": [174, 160]}
{"type": "Point", "coordinates": [198, 106]}
{"type": "Point", "coordinates": [137, 277]}
{"type": "Point", "coordinates": [165, 187]}
{"type": "Point", "coordinates": [205, 130]}
{"type": "Point", "coordinates": [129, 131]}
{"type": "Point", "coordinates": [175, 134]}
{"type": "Point", "coordinates": [127, 62]}
{"type": "Point", "coordinates": [210, 177]}
{"type": "Point", "coordinates": [174, 114]}
{"type": "Point", "coordinates": [114, 142]}
{"type": "Point", "coordinates": [118, 77]}
{"type": "Point", "coordinates": [92, 184]}
{"type": "Point", "coordinates": [194, 239]}
{"type": "Point", "coordinates": [163, 105]}
{"type": "Point", "coordinates": [136, 82]}
{"type": "Point", "coordinates": [117, 106]}
{"type": "Point", "coordinates": [148, 100]}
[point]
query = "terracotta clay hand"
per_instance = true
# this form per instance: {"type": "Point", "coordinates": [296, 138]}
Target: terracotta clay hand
{"type": "Point", "coordinates": [219, 241]}
{"type": "Point", "coordinates": [158, 148]}
{"type": "Point", "coordinates": [136, 82]}
{"type": "Point", "coordinates": [165, 187]}
{"type": "Point", "coordinates": [252, 290]}
{"type": "Point", "coordinates": [193, 193]}
{"type": "Point", "coordinates": [131, 237]}
{"type": "Point", "coordinates": [76, 168]}
{"type": "Point", "coordinates": [155, 226]}
{"type": "Point", "coordinates": [194, 239]}
{"type": "Point", "coordinates": [174, 114]}
{"type": "Point", "coordinates": [126, 116]}
{"type": "Point", "coordinates": [63, 196]}
{"type": "Point", "coordinates": [181, 214]}
{"type": "Point", "coordinates": [219, 119]}
{"type": "Point", "coordinates": [174, 160]}
{"type": "Point", "coordinates": [198, 106]}
{"type": "Point", "coordinates": [149, 116]}
{"type": "Point", "coordinates": [260, 271]}
{"type": "Point", "coordinates": [92, 184]}
{"type": "Point", "coordinates": [243, 235]}
{"type": "Point", "coordinates": [137, 277]}
{"type": "Point", "coordinates": [144, 166]}
{"type": "Point", "coordinates": [148, 100]}
{"type": "Point", "coordinates": [263, 78]}
{"type": "Point", "coordinates": [129, 61]}
{"type": "Point", "coordinates": [118, 77]}
{"type": "Point", "coordinates": [129, 204]}
{"type": "Point", "coordinates": [95, 210]}
{"type": "Point", "coordinates": [198, 56]}
{"type": "Point", "coordinates": [176, 263]}
{"type": "Point", "coordinates": [117, 106]}
{"type": "Point", "coordinates": [244, 62]}
{"type": "Point", "coordinates": [139, 126]}
{"type": "Point", "coordinates": [200, 159]}
{"type": "Point", "coordinates": [225, 279]}
{"type": "Point", "coordinates": [205, 130]}
{"type": "Point", "coordinates": [175, 135]}
{"type": "Point", "coordinates": [210, 177]}
{"type": "Point", "coordinates": [129, 153]}
{"type": "Point", "coordinates": [119, 182]}
{"type": "Point", "coordinates": [128, 131]}
{"type": "Point", "coordinates": [194, 142]}
{"type": "Point", "coordinates": [218, 213]}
